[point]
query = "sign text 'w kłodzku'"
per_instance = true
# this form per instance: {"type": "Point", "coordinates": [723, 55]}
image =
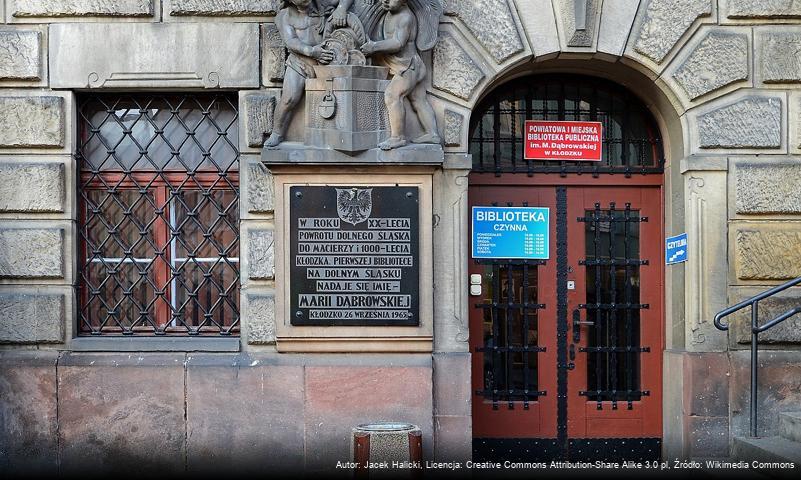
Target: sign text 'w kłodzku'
{"type": "Point", "coordinates": [571, 141]}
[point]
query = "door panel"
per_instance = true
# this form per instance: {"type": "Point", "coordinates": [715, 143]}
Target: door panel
{"type": "Point", "coordinates": [498, 414]}
{"type": "Point", "coordinates": [612, 355]}
{"type": "Point", "coordinates": [615, 253]}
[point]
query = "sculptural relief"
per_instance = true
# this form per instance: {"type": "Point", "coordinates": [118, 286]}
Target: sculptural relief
{"type": "Point", "coordinates": [334, 43]}
{"type": "Point", "coordinates": [301, 24]}
{"type": "Point", "coordinates": [403, 32]}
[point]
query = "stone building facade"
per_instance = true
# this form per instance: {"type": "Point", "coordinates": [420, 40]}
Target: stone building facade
{"type": "Point", "coordinates": [722, 80]}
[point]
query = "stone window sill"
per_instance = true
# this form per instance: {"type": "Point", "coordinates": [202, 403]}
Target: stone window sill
{"type": "Point", "coordinates": [143, 344]}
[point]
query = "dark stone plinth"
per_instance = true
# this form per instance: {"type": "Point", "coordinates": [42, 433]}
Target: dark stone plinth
{"type": "Point", "coordinates": [120, 414]}
{"type": "Point", "coordinates": [254, 407]}
{"type": "Point", "coordinates": [28, 429]}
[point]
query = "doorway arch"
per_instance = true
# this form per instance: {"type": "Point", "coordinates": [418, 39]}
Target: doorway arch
{"type": "Point", "coordinates": [567, 350]}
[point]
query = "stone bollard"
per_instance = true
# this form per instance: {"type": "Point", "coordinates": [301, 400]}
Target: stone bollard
{"type": "Point", "coordinates": [387, 449]}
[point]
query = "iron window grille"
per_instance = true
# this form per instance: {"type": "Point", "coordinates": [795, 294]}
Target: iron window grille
{"type": "Point", "coordinates": [158, 214]}
{"type": "Point", "coordinates": [631, 140]}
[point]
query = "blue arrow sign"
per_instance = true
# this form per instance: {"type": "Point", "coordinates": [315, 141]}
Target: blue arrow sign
{"type": "Point", "coordinates": [511, 232]}
{"type": "Point", "coordinates": [676, 249]}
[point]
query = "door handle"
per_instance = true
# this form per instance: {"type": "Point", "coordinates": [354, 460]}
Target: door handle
{"type": "Point", "coordinates": [577, 323]}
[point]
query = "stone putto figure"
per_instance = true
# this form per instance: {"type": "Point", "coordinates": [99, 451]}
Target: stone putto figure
{"type": "Point", "coordinates": [321, 35]}
{"type": "Point", "coordinates": [404, 33]}
{"type": "Point", "coordinates": [301, 24]}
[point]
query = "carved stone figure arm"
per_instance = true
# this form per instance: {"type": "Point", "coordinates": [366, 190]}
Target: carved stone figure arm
{"type": "Point", "coordinates": [339, 17]}
{"type": "Point", "coordinates": [295, 45]}
{"type": "Point", "coordinates": [290, 38]}
{"type": "Point", "coordinates": [403, 32]}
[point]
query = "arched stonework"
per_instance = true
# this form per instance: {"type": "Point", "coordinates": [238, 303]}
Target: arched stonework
{"type": "Point", "coordinates": [722, 78]}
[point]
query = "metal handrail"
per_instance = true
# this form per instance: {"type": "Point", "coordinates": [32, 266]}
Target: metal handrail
{"type": "Point", "coordinates": [756, 329]}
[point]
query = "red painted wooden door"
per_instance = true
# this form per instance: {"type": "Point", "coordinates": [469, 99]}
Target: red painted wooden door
{"type": "Point", "coordinates": [571, 347]}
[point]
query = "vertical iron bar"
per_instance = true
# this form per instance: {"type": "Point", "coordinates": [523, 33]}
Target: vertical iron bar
{"type": "Point", "coordinates": [598, 314]}
{"type": "Point", "coordinates": [524, 310]}
{"type": "Point", "coordinates": [513, 131]}
{"type": "Point", "coordinates": [496, 137]}
{"type": "Point", "coordinates": [529, 116]}
{"type": "Point", "coordinates": [507, 363]}
{"type": "Point", "coordinates": [561, 105]}
{"type": "Point", "coordinates": [481, 144]}
{"type": "Point", "coordinates": [612, 322]}
{"type": "Point", "coordinates": [754, 365]}
{"type": "Point", "coordinates": [629, 366]}
{"type": "Point", "coordinates": [496, 283]}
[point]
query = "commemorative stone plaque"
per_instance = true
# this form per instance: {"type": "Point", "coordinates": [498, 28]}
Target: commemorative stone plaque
{"type": "Point", "coordinates": [354, 254]}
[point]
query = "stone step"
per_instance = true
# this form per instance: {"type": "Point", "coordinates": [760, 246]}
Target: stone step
{"type": "Point", "coordinates": [790, 426]}
{"type": "Point", "coordinates": [767, 449]}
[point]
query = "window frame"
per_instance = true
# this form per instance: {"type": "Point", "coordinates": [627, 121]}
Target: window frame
{"type": "Point", "coordinates": [164, 184]}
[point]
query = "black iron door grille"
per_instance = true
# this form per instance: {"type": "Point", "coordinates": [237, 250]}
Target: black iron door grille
{"type": "Point", "coordinates": [510, 331]}
{"type": "Point", "coordinates": [612, 309]}
{"type": "Point", "coordinates": [158, 214]}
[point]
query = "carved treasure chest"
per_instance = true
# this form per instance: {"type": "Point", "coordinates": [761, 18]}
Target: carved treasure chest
{"type": "Point", "coordinates": [345, 107]}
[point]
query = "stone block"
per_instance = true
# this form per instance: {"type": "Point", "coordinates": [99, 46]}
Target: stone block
{"type": "Point", "coordinates": [454, 124]}
{"type": "Point", "coordinates": [20, 54]}
{"type": "Point", "coordinates": [706, 276]}
{"type": "Point", "coordinates": [706, 384]}
{"type": "Point", "coordinates": [157, 55]}
{"type": "Point", "coordinates": [32, 187]}
{"type": "Point", "coordinates": [31, 253]}
{"type": "Point", "coordinates": [120, 413]}
{"type": "Point", "coordinates": [539, 22]}
{"type": "Point", "coordinates": [223, 7]}
{"type": "Point", "coordinates": [767, 188]}
{"type": "Point", "coordinates": [780, 56]}
{"type": "Point", "coordinates": [751, 122]}
{"type": "Point", "coordinates": [453, 438]}
{"type": "Point", "coordinates": [257, 429]}
{"type": "Point", "coordinates": [763, 9]}
{"type": "Point", "coordinates": [577, 31]}
{"type": "Point", "coordinates": [492, 23]}
{"type": "Point", "coordinates": [787, 332]}
{"type": "Point", "coordinates": [779, 389]}
{"type": "Point", "coordinates": [339, 398]}
{"type": "Point", "coordinates": [29, 429]}
{"type": "Point", "coordinates": [80, 8]}
{"type": "Point", "coordinates": [452, 384]}
{"type": "Point", "coordinates": [261, 254]}
{"type": "Point", "coordinates": [31, 121]}
{"type": "Point", "coordinates": [260, 188]}
{"type": "Point", "coordinates": [720, 59]}
{"type": "Point", "coordinates": [31, 318]}
{"type": "Point", "coordinates": [708, 437]}
{"type": "Point", "coordinates": [273, 54]}
{"type": "Point", "coordinates": [617, 19]}
{"type": "Point", "coordinates": [454, 70]}
{"type": "Point", "coordinates": [451, 252]}
{"type": "Point", "coordinates": [664, 22]}
{"type": "Point", "coordinates": [261, 319]}
{"type": "Point", "coordinates": [767, 253]}
{"type": "Point", "coordinates": [259, 110]}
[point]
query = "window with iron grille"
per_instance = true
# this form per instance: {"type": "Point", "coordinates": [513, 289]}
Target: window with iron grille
{"type": "Point", "coordinates": [158, 214]}
{"type": "Point", "coordinates": [631, 140]}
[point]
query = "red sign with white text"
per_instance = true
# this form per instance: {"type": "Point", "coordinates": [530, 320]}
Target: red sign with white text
{"type": "Point", "coordinates": [574, 141]}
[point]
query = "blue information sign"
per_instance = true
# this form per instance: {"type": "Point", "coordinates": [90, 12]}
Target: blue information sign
{"type": "Point", "coordinates": [676, 249]}
{"type": "Point", "coordinates": [510, 232]}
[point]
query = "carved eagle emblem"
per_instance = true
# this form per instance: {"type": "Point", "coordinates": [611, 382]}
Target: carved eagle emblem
{"type": "Point", "coordinates": [354, 204]}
